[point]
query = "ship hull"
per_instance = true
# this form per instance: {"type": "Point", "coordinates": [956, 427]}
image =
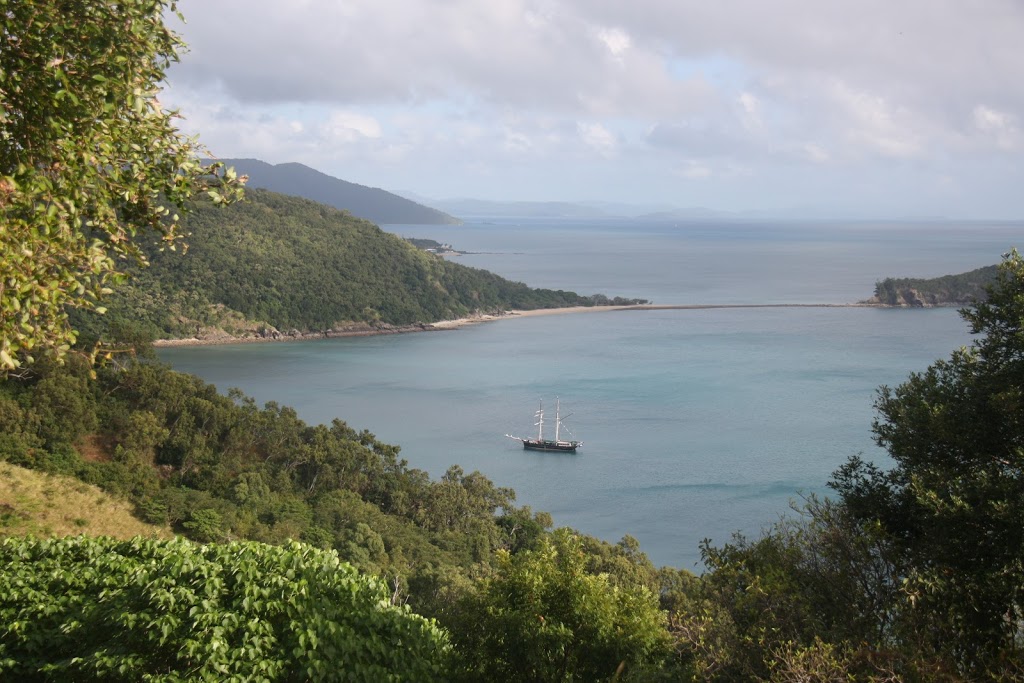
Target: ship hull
{"type": "Point", "coordinates": [553, 446]}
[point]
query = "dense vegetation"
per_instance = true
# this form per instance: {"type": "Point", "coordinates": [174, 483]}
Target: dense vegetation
{"type": "Point", "coordinates": [913, 573]}
{"type": "Point", "coordinates": [100, 609]}
{"type": "Point", "coordinates": [429, 245]}
{"type": "Point", "coordinates": [948, 290]}
{"type": "Point", "coordinates": [274, 261]}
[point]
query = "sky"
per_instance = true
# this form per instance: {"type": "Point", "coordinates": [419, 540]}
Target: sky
{"type": "Point", "coordinates": [870, 108]}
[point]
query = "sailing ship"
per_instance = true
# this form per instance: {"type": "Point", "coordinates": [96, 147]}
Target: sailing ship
{"type": "Point", "coordinates": [542, 444]}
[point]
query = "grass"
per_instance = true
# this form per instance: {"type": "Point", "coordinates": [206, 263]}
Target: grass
{"type": "Point", "coordinates": [42, 504]}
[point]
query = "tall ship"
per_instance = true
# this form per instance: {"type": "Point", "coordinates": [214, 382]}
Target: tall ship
{"type": "Point", "coordinates": [542, 444]}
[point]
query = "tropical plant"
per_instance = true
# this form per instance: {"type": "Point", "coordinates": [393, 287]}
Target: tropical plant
{"type": "Point", "coordinates": [101, 609]}
{"type": "Point", "coordinates": [88, 159]}
{"type": "Point", "coordinates": [543, 617]}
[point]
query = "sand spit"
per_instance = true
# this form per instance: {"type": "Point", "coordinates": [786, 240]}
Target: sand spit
{"type": "Point", "coordinates": [474, 320]}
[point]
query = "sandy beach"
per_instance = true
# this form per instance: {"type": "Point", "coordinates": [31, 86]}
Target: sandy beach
{"type": "Point", "coordinates": [457, 323]}
{"type": "Point", "coordinates": [461, 322]}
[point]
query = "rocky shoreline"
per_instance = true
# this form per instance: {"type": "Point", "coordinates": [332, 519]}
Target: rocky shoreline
{"type": "Point", "coordinates": [211, 337]}
{"type": "Point", "coordinates": [912, 298]}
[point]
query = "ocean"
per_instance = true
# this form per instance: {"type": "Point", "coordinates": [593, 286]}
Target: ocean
{"type": "Point", "coordinates": [696, 423]}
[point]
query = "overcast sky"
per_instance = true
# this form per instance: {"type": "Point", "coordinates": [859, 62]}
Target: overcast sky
{"type": "Point", "coordinates": [882, 107]}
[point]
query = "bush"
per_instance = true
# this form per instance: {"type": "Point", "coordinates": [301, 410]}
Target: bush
{"type": "Point", "coordinates": [102, 609]}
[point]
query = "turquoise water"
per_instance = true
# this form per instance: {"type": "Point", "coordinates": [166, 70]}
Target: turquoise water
{"type": "Point", "coordinates": [696, 423]}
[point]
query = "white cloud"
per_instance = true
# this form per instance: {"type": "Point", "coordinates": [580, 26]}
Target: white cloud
{"type": "Point", "coordinates": [694, 170]}
{"type": "Point", "coordinates": [616, 40]}
{"type": "Point", "coordinates": [785, 90]}
{"type": "Point", "coordinates": [874, 124]}
{"type": "Point", "coordinates": [750, 107]}
{"type": "Point", "coordinates": [598, 137]}
{"type": "Point", "coordinates": [998, 126]}
{"type": "Point", "coordinates": [815, 153]}
{"type": "Point", "coordinates": [346, 126]}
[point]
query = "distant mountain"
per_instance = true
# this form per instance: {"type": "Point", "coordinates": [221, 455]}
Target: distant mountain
{"type": "Point", "coordinates": [519, 209]}
{"type": "Point", "coordinates": [689, 214]}
{"type": "Point", "coordinates": [371, 203]}
{"type": "Point", "coordinates": [595, 210]}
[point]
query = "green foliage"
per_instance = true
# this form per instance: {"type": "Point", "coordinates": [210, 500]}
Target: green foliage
{"type": "Point", "coordinates": [87, 158]}
{"type": "Point", "coordinates": [101, 609]}
{"type": "Point", "coordinates": [218, 467]}
{"type": "Point", "coordinates": [812, 597]}
{"type": "Point", "coordinates": [543, 617]}
{"type": "Point", "coordinates": [282, 262]}
{"type": "Point", "coordinates": [949, 290]}
{"type": "Point", "coordinates": [953, 503]}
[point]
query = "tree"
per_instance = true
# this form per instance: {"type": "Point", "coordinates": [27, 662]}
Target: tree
{"type": "Point", "coordinates": [89, 159]}
{"type": "Point", "coordinates": [953, 502]}
{"type": "Point", "coordinates": [543, 617]}
{"type": "Point", "coordinates": [108, 610]}
{"type": "Point", "coordinates": [816, 597]}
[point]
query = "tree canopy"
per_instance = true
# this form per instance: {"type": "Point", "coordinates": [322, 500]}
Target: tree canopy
{"type": "Point", "coordinates": [953, 503]}
{"type": "Point", "coordinates": [88, 158]}
{"type": "Point", "coordinates": [544, 617]}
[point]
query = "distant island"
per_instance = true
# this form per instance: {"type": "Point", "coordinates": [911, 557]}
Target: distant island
{"type": "Point", "coordinates": [947, 290]}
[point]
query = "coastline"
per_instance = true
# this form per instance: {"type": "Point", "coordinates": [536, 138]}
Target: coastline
{"type": "Point", "coordinates": [454, 324]}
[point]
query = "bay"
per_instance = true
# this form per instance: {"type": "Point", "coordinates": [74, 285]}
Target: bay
{"type": "Point", "coordinates": [696, 423]}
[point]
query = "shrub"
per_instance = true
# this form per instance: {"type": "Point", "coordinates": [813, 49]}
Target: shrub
{"type": "Point", "coordinates": [101, 609]}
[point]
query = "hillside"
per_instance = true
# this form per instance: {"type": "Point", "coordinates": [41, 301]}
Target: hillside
{"type": "Point", "coordinates": [41, 504]}
{"type": "Point", "coordinates": [277, 264]}
{"type": "Point", "coordinates": [948, 290]}
{"type": "Point", "coordinates": [371, 203]}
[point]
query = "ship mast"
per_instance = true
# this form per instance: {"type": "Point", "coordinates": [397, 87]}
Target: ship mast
{"type": "Point", "coordinates": [558, 419]}
{"type": "Point", "coordinates": [540, 422]}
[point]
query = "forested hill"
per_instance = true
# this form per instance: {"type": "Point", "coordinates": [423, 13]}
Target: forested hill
{"type": "Point", "coordinates": [287, 263]}
{"type": "Point", "coordinates": [371, 203]}
{"type": "Point", "coordinates": [948, 290]}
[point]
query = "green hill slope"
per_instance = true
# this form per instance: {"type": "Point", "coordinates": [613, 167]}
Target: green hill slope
{"type": "Point", "coordinates": [41, 504]}
{"type": "Point", "coordinates": [287, 263]}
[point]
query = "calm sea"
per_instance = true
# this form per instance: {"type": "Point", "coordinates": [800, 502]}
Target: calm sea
{"type": "Point", "coordinates": [696, 423]}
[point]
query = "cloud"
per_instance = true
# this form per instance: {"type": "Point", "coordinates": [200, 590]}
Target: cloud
{"type": "Point", "coordinates": [873, 124]}
{"type": "Point", "coordinates": [345, 127]}
{"type": "Point", "coordinates": [616, 40]}
{"type": "Point", "coordinates": [597, 137]}
{"type": "Point", "coordinates": [784, 90]}
{"type": "Point", "coordinates": [999, 127]}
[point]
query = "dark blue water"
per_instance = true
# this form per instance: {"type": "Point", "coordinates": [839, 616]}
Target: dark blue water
{"type": "Point", "coordinates": [696, 423]}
